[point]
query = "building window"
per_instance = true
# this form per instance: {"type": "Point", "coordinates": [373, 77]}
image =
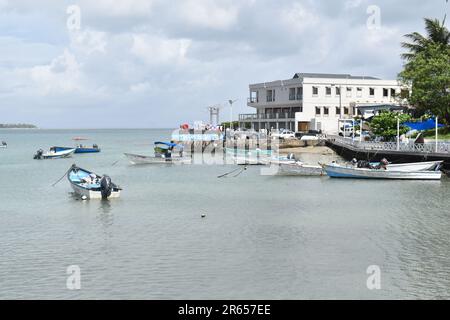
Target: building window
{"type": "Point", "coordinates": [349, 92]}
{"type": "Point", "coordinates": [292, 94]}
{"type": "Point", "coordinates": [385, 92]}
{"type": "Point", "coordinates": [404, 94]}
{"type": "Point", "coordinates": [270, 95]}
{"type": "Point", "coordinates": [326, 111]}
{"type": "Point", "coordinates": [315, 91]}
{"type": "Point", "coordinates": [338, 111]}
{"type": "Point", "coordinates": [317, 111]}
{"type": "Point", "coordinates": [345, 110]}
{"type": "Point", "coordinates": [297, 109]}
{"type": "Point", "coordinates": [328, 91]}
{"type": "Point", "coordinates": [372, 92]}
{"type": "Point", "coordinates": [338, 91]}
{"type": "Point", "coordinates": [393, 93]}
{"type": "Point", "coordinates": [300, 93]}
{"type": "Point", "coordinates": [359, 92]}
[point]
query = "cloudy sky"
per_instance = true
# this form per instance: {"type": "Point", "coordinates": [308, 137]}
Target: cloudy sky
{"type": "Point", "coordinates": [159, 63]}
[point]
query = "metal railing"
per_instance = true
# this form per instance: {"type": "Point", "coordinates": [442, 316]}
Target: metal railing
{"type": "Point", "coordinates": [252, 100]}
{"type": "Point", "coordinates": [266, 116]}
{"type": "Point", "coordinates": [429, 147]}
{"type": "Point", "coordinates": [294, 97]}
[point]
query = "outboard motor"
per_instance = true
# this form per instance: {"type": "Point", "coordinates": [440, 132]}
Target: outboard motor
{"type": "Point", "coordinates": [38, 155]}
{"type": "Point", "coordinates": [106, 186]}
{"type": "Point", "coordinates": [291, 156]}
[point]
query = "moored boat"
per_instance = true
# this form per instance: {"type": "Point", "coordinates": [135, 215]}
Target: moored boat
{"type": "Point", "coordinates": [3, 145]}
{"type": "Point", "coordinates": [53, 154]}
{"type": "Point", "coordinates": [300, 169]}
{"type": "Point", "coordinates": [81, 149]}
{"type": "Point", "coordinates": [89, 185]}
{"type": "Point", "coordinates": [142, 159]}
{"type": "Point", "coordinates": [337, 171]}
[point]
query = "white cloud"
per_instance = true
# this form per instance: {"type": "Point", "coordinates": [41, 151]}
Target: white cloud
{"type": "Point", "coordinates": [154, 50]}
{"type": "Point", "coordinates": [62, 75]}
{"type": "Point", "coordinates": [208, 13]}
{"type": "Point", "coordinates": [88, 41]}
{"type": "Point", "coordinates": [117, 8]}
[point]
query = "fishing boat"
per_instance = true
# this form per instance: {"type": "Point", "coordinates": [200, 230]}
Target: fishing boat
{"type": "Point", "coordinates": [165, 153]}
{"type": "Point", "coordinates": [300, 169]}
{"type": "Point", "coordinates": [81, 149]}
{"type": "Point", "coordinates": [3, 145]}
{"type": "Point", "coordinates": [137, 159]}
{"type": "Point", "coordinates": [417, 166]}
{"type": "Point", "coordinates": [335, 170]}
{"type": "Point", "coordinates": [256, 157]}
{"type": "Point", "coordinates": [89, 185]}
{"type": "Point", "coordinates": [53, 154]}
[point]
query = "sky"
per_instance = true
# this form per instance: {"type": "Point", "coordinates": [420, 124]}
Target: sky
{"type": "Point", "coordinates": [159, 63]}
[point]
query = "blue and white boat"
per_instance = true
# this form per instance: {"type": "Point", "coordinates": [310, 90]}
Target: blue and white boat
{"type": "Point", "coordinates": [89, 185]}
{"type": "Point", "coordinates": [53, 154]}
{"type": "Point", "coordinates": [81, 149]}
{"type": "Point", "coordinates": [338, 171]}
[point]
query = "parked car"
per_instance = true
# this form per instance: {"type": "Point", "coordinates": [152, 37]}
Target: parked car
{"type": "Point", "coordinates": [283, 134]}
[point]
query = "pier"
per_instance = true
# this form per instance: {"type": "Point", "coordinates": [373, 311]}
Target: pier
{"type": "Point", "coordinates": [349, 148]}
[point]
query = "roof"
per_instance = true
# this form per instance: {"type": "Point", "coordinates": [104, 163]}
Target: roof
{"type": "Point", "coordinates": [332, 76]}
{"type": "Point", "coordinates": [378, 107]}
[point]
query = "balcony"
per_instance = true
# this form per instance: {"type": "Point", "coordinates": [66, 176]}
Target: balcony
{"type": "Point", "coordinates": [295, 97]}
{"type": "Point", "coordinates": [252, 100]}
{"type": "Point", "coordinates": [267, 116]}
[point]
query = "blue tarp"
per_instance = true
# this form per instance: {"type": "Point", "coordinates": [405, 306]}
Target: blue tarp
{"type": "Point", "coordinates": [424, 125]}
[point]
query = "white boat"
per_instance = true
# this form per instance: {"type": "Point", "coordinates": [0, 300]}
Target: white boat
{"type": "Point", "coordinates": [52, 154]}
{"type": "Point", "coordinates": [300, 169]}
{"type": "Point", "coordinates": [137, 159]}
{"type": "Point", "coordinates": [337, 171]}
{"type": "Point", "coordinates": [418, 166]}
{"type": "Point", "coordinates": [89, 185]}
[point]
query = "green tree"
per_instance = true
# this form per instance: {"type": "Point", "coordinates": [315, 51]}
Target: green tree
{"type": "Point", "coordinates": [437, 34]}
{"type": "Point", "coordinates": [385, 124]}
{"type": "Point", "coordinates": [427, 70]}
{"type": "Point", "coordinates": [428, 74]}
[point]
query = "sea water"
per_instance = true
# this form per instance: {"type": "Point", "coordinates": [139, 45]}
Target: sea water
{"type": "Point", "coordinates": [179, 232]}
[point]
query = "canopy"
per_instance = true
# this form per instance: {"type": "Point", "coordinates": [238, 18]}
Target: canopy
{"type": "Point", "coordinates": [168, 144]}
{"type": "Point", "coordinates": [424, 125]}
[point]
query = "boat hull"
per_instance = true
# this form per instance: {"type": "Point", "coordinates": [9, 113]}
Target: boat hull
{"type": "Point", "coordinates": [357, 173]}
{"type": "Point", "coordinates": [89, 194]}
{"type": "Point", "coordinates": [296, 169]}
{"type": "Point", "coordinates": [58, 154]}
{"type": "Point", "coordinates": [137, 159]}
{"type": "Point", "coordinates": [79, 150]}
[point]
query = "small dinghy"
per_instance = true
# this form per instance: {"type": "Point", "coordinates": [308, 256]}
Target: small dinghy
{"type": "Point", "coordinates": [53, 154]}
{"type": "Point", "coordinates": [3, 145]}
{"type": "Point", "coordinates": [89, 185]}
{"type": "Point", "coordinates": [81, 149]}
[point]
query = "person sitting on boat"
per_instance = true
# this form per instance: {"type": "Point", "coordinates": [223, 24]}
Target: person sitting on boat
{"type": "Point", "coordinates": [382, 165]}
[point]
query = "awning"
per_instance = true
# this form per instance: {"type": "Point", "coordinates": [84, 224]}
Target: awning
{"type": "Point", "coordinates": [424, 125]}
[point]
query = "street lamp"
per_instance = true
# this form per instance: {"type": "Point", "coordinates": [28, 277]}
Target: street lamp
{"type": "Point", "coordinates": [231, 111]}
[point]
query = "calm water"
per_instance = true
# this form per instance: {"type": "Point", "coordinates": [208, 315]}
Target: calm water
{"type": "Point", "coordinates": [263, 237]}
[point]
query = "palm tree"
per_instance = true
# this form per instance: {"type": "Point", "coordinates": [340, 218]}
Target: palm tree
{"type": "Point", "coordinates": [437, 33]}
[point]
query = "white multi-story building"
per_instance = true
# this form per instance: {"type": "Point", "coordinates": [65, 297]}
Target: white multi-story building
{"type": "Point", "coordinates": [311, 101]}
